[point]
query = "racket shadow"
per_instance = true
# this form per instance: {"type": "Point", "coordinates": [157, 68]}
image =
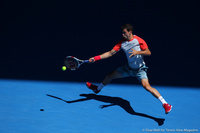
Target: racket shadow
{"type": "Point", "coordinates": [112, 102]}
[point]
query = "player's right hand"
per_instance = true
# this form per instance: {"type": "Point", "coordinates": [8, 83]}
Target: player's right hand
{"type": "Point", "coordinates": [92, 60]}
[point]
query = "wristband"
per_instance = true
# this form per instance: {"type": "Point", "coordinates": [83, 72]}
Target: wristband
{"type": "Point", "coordinates": [98, 57]}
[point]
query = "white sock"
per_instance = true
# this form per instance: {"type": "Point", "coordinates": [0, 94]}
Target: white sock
{"type": "Point", "coordinates": [162, 100]}
{"type": "Point", "coordinates": [100, 86]}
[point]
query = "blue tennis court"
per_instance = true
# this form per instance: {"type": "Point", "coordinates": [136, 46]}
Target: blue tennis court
{"type": "Point", "coordinates": [72, 107]}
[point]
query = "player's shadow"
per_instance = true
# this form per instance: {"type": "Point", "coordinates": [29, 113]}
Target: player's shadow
{"type": "Point", "coordinates": [113, 101]}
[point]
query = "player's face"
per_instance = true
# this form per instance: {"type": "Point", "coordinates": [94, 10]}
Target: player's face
{"type": "Point", "coordinates": [126, 34]}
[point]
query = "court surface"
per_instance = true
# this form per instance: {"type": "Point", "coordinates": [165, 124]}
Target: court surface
{"type": "Point", "coordinates": [69, 107]}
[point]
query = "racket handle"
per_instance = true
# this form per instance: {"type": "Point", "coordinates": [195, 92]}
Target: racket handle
{"type": "Point", "coordinates": [86, 61]}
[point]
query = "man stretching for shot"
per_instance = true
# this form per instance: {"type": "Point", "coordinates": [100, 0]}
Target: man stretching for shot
{"type": "Point", "coordinates": [135, 48]}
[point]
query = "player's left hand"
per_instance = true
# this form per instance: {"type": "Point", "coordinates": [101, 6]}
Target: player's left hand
{"type": "Point", "coordinates": [133, 53]}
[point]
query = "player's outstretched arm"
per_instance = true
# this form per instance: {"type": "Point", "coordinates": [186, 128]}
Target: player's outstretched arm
{"type": "Point", "coordinates": [103, 56]}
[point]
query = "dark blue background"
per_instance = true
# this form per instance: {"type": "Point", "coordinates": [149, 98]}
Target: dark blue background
{"type": "Point", "coordinates": [37, 35]}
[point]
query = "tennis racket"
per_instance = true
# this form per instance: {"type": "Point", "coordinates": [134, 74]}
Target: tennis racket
{"type": "Point", "coordinates": [73, 63]}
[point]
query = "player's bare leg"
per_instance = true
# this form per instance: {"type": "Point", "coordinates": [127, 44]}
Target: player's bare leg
{"type": "Point", "coordinates": [109, 77]}
{"type": "Point", "coordinates": [155, 93]}
{"type": "Point", "coordinates": [107, 80]}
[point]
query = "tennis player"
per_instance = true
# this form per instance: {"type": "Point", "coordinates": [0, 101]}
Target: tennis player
{"type": "Point", "coordinates": [135, 48]}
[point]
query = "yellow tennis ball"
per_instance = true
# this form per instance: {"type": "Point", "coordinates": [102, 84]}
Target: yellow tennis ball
{"type": "Point", "coordinates": [64, 68]}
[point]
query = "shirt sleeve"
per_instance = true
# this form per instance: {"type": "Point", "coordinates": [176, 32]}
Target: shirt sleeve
{"type": "Point", "coordinates": [117, 47]}
{"type": "Point", "coordinates": [143, 44]}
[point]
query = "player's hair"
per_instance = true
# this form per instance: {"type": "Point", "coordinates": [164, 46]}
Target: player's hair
{"type": "Point", "coordinates": [128, 27]}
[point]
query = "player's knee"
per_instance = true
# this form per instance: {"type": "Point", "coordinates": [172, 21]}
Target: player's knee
{"type": "Point", "coordinates": [113, 75]}
{"type": "Point", "coordinates": [109, 76]}
{"type": "Point", "coordinates": [146, 85]}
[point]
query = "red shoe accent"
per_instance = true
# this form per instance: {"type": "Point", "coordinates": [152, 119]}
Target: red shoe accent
{"type": "Point", "coordinates": [167, 107]}
{"type": "Point", "coordinates": [92, 87]}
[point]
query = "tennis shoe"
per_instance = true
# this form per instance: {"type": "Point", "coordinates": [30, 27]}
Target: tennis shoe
{"type": "Point", "coordinates": [167, 107]}
{"type": "Point", "coordinates": [92, 87]}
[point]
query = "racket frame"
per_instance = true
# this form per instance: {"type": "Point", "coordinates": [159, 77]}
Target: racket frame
{"type": "Point", "coordinates": [78, 62]}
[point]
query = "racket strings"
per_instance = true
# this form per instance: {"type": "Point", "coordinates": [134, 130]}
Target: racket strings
{"type": "Point", "coordinates": [71, 64]}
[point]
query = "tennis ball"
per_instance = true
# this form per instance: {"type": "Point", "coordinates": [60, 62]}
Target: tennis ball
{"type": "Point", "coordinates": [64, 68]}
